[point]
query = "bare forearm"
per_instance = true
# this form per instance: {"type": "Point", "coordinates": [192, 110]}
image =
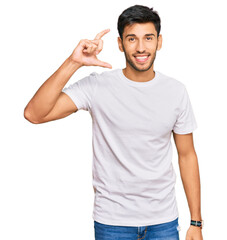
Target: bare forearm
{"type": "Point", "coordinates": [46, 96]}
{"type": "Point", "coordinates": [189, 170]}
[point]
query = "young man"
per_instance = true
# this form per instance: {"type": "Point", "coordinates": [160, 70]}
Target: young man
{"type": "Point", "coordinates": [134, 111]}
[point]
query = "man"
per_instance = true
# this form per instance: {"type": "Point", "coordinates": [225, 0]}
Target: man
{"type": "Point", "coordinates": [134, 111]}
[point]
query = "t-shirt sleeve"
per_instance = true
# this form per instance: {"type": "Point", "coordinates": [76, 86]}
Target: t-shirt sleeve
{"type": "Point", "coordinates": [186, 122]}
{"type": "Point", "coordinates": [82, 91]}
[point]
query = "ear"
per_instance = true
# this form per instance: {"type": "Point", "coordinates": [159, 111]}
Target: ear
{"type": "Point", "coordinates": [120, 44]}
{"type": "Point", "coordinates": [159, 42]}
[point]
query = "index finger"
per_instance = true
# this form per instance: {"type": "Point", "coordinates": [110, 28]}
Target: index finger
{"type": "Point", "coordinates": [101, 34]}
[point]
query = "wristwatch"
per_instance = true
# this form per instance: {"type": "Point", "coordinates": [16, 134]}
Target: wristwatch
{"type": "Point", "coordinates": [197, 223]}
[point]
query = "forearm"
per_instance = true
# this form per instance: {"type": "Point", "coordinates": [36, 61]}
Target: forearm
{"type": "Point", "coordinates": [46, 96]}
{"type": "Point", "coordinates": [189, 170]}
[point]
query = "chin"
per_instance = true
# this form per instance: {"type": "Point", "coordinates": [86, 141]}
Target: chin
{"type": "Point", "coordinates": [142, 68]}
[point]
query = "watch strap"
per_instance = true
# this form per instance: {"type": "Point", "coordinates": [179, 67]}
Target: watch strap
{"type": "Point", "coordinates": [197, 223]}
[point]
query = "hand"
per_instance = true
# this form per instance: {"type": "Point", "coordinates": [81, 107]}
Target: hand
{"type": "Point", "coordinates": [194, 233]}
{"type": "Point", "coordinates": [85, 52]}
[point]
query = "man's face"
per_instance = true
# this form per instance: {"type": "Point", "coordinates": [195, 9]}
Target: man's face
{"type": "Point", "coordinates": [139, 45]}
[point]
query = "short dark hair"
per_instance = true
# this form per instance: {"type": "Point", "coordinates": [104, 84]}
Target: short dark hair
{"type": "Point", "coordinates": [138, 14]}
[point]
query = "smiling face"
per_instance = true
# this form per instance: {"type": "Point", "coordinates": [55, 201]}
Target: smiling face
{"type": "Point", "coordinates": [139, 45]}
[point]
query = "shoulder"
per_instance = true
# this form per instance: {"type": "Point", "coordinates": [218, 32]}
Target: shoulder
{"type": "Point", "coordinates": [171, 83]}
{"type": "Point", "coordinates": [106, 77]}
{"type": "Point", "coordinates": [106, 73]}
{"type": "Point", "coordinates": [171, 80]}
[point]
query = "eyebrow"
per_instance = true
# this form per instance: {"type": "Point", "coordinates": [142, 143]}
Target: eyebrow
{"type": "Point", "coordinates": [134, 35]}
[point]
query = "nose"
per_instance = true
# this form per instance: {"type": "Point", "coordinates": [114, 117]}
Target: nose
{"type": "Point", "coordinates": [140, 48]}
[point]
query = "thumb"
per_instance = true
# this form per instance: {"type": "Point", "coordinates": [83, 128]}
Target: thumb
{"type": "Point", "coordinates": [102, 64]}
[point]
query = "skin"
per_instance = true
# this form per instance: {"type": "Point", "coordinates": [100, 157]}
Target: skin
{"type": "Point", "coordinates": [50, 103]}
{"type": "Point", "coordinates": [140, 39]}
{"type": "Point", "coordinates": [189, 171]}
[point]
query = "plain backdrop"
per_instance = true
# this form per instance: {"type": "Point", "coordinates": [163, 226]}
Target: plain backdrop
{"type": "Point", "coordinates": [46, 169]}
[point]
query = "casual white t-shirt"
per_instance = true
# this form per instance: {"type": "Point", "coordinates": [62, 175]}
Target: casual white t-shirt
{"type": "Point", "coordinates": [132, 123]}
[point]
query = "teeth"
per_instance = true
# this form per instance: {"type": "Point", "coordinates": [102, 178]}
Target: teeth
{"type": "Point", "coordinates": [142, 57]}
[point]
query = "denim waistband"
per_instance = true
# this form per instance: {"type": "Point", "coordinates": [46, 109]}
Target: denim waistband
{"type": "Point", "coordinates": [133, 229]}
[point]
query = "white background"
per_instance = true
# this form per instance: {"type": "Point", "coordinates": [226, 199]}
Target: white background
{"type": "Point", "coordinates": [45, 170]}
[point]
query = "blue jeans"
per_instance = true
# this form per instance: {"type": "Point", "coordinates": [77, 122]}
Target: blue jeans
{"type": "Point", "coordinates": [163, 231]}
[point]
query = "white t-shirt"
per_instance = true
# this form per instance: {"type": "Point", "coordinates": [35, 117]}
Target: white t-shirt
{"type": "Point", "coordinates": [132, 123]}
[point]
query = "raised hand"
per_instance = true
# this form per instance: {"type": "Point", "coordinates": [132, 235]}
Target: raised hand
{"type": "Point", "coordinates": [85, 52]}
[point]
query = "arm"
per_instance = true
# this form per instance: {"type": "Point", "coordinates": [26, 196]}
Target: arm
{"type": "Point", "coordinates": [189, 170]}
{"type": "Point", "coordinates": [49, 102]}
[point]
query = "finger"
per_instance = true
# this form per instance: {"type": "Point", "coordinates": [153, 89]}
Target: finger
{"type": "Point", "coordinates": [95, 41]}
{"type": "Point", "coordinates": [101, 34]}
{"type": "Point", "coordinates": [87, 48]}
{"type": "Point", "coordinates": [102, 64]}
{"type": "Point", "coordinates": [99, 44]}
{"type": "Point", "coordinates": [90, 47]}
{"type": "Point", "coordinates": [99, 47]}
{"type": "Point", "coordinates": [84, 43]}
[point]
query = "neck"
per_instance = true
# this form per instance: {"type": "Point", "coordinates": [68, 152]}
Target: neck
{"type": "Point", "coordinates": [138, 76]}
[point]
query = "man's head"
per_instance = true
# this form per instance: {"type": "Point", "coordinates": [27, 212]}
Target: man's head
{"type": "Point", "coordinates": [139, 30]}
{"type": "Point", "coordinates": [138, 14]}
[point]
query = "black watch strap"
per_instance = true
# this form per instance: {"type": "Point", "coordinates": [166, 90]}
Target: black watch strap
{"type": "Point", "coordinates": [197, 223]}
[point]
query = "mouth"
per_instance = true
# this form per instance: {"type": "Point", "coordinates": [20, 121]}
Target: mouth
{"type": "Point", "coordinates": [142, 58]}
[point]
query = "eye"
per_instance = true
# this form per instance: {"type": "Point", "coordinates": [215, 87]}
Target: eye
{"type": "Point", "coordinates": [149, 38]}
{"type": "Point", "coordinates": [131, 39]}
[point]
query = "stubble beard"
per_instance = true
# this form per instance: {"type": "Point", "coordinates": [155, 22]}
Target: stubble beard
{"type": "Point", "coordinates": [130, 62]}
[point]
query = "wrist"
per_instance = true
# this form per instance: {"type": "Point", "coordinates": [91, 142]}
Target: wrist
{"type": "Point", "coordinates": [196, 216]}
{"type": "Point", "coordinates": [197, 223]}
{"type": "Point", "coordinates": [72, 63]}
